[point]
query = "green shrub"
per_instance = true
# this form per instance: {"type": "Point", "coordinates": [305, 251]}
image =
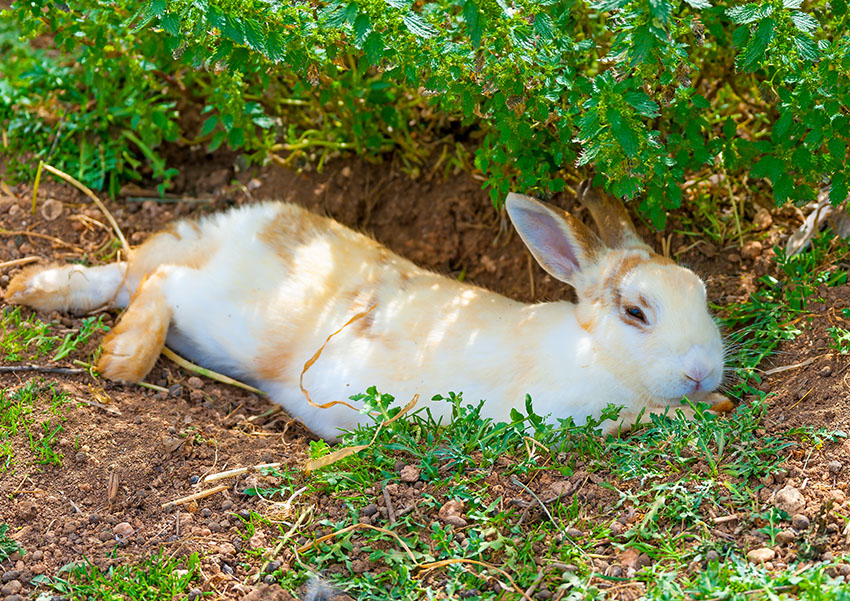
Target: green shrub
{"type": "Point", "coordinates": [640, 92]}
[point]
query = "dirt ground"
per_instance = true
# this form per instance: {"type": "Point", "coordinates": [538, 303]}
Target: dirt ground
{"type": "Point", "coordinates": [136, 449]}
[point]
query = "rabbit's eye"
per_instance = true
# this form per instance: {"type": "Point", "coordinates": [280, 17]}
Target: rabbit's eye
{"type": "Point", "coordinates": [636, 313]}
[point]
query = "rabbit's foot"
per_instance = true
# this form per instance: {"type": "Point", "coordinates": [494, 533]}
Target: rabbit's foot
{"type": "Point", "coordinates": [720, 403]}
{"type": "Point", "coordinates": [66, 288]}
{"type": "Point", "coordinates": [132, 347]}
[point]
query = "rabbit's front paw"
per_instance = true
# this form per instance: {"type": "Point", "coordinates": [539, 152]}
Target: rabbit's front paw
{"type": "Point", "coordinates": [720, 403]}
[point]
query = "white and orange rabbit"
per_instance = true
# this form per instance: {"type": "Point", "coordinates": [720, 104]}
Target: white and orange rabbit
{"type": "Point", "coordinates": [255, 291]}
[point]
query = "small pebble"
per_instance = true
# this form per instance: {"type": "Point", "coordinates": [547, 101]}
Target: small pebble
{"type": "Point", "coordinates": [195, 383]}
{"type": "Point", "coordinates": [574, 533]}
{"type": "Point", "coordinates": [785, 537]}
{"type": "Point", "coordinates": [751, 249]}
{"type": "Point", "coordinates": [617, 529]}
{"type": "Point", "coordinates": [37, 555]}
{"type": "Point", "coordinates": [195, 593]}
{"type": "Point", "coordinates": [790, 500]}
{"type": "Point", "coordinates": [206, 512]}
{"type": "Point", "coordinates": [826, 370]}
{"type": "Point", "coordinates": [834, 467]}
{"type": "Point", "coordinates": [370, 510]}
{"type": "Point", "coordinates": [227, 505]}
{"type": "Point", "coordinates": [273, 566]}
{"type": "Point", "coordinates": [10, 575]}
{"type": "Point", "coordinates": [226, 549]}
{"type": "Point", "coordinates": [245, 514]}
{"type": "Point", "coordinates": [762, 220]}
{"type": "Point", "coordinates": [12, 587]}
{"type": "Point", "coordinates": [761, 555]}
{"type": "Point", "coordinates": [122, 529]}
{"type": "Point", "coordinates": [800, 522]}
{"type": "Point", "coordinates": [409, 473]}
{"type": "Point", "coordinates": [399, 464]}
{"type": "Point", "coordinates": [712, 555]}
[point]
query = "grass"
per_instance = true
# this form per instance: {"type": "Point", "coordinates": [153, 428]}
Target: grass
{"type": "Point", "coordinates": [656, 494]}
{"type": "Point", "coordinates": [8, 546]}
{"type": "Point", "coordinates": [34, 412]}
{"type": "Point", "coordinates": [29, 339]}
{"type": "Point", "coordinates": [156, 578]}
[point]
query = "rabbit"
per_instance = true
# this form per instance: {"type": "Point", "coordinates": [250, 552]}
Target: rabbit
{"type": "Point", "coordinates": [255, 291]}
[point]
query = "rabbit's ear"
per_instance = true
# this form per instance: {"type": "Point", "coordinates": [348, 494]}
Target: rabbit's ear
{"type": "Point", "coordinates": [561, 244]}
{"type": "Point", "coordinates": [612, 219]}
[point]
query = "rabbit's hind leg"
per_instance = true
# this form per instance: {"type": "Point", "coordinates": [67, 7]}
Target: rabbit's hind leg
{"type": "Point", "coordinates": [132, 347]}
{"type": "Point", "coordinates": [73, 288]}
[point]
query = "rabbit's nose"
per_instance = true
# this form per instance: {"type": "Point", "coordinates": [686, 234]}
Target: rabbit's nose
{"type": "Point", "coordinates": [697, 366]}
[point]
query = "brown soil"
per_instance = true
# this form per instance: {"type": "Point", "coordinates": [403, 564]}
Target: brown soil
{"type": "Point", "coordinates": [137, 449]}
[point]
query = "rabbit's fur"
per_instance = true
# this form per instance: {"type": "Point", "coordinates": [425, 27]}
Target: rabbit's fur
{"type": "Point", "coordinates": [255, 291]}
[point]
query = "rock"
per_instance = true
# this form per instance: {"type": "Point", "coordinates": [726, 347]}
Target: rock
{"type": "Point", "coordinates": [273, 566]}
{"type": "Point", "coordinates": [712, 555]}
{"type": "Point", "coordinates": [409, 473]}
{"type": "Point", "coordinates": [370, 510]}
{"type": "Point", "coordinates": [789, 500]}
{"type": "Point", "coordinates": [13, 587]}
{"type": "Point", "coordinates": [800, 522]}
{"type": "Point", "coordinates": [834, 467]}
{"type": "Point", "coordinates": [451, 509]}
{"type": "Point", "coordinates": [195, 383]}
{"type": "Point", "coordinates": [838, 496]}
{"type": "Point", "coordinates": [574, 533]}
{"type": "Point", "coordinates": [10, 575]}
{"type": "Point", "coordinates": [358, 566]}
{"type": "Point", "coordinates": [226, 549]}
{"type": "Point", "coordinates": [617, 529]}
{"type": "Point", "coordinates": [14, 598]}
{"type": "Point", "coordinates": [761, 555]}
{"type": "Point", "coordinates": [751, 249]}
{"type": "Point", "coordinates": [762, 220]}
{"type": "Point", "coordinates": [629, 559]}
{"type": "Point", "coordinates": [51, 209]}
{"type": "Point", "coordinates": [122, 529]}
{"type": "Point", "coordinates": [37, 555]}
{"type": "Point", "coordinates": [455, 520]}
{"type": "Point", "coordinates": [785, 537]}
{"type": "Point", "coordinates": [825, 371]}
{"type": "Point", "coordinates": [733, 258]}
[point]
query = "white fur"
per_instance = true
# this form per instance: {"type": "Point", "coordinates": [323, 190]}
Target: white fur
{"type": "Point", "coordinates": [240, 302]}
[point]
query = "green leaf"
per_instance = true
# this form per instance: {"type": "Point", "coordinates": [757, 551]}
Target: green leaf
{"type": "Point", "coordinates": [803, 22]}
{"type": "Point", "coordinates": [699, 4]}
{"type": "Point", "coordinates": [472, 16]}
{"type": "Point", "coordinates": [543, 26]}
{"type": "Point", "coordinates": [232, 28]}
{"type": "Point", "coordinates": [764, 34]}
{"type": "Point", "coordinates": [170, 24]}
{"type": "Point", "coordinates": [254, 36]}
{"type": "Point", "coordinates": [642, 103]}
{"type": "Point", "coordinates": [744, 14]}
{"type": "Point", "coordinates": [275, 48]}
{"type": "Point", "coordinates": [374, 47]}
{"type": "Point", "coordinates": [216, 141]}
{"type": "Point", "coordinates": [768, 166]}
{"type": "Point", "coordinates": [806, 48]}
{"type": "Point", "coordinates": [783, 187]}
{"type": "Point", "coordinates": [624, 134]}
{"type": "Point", "coordinates": [362, 27]}
{"type": "Point", "coordinates": [418, 26]}
{"type": "Point", "coordinates": [838, 189]}
{"type": "Point", "coordinates": [209, 125]}
{"type": "Point", "coordinates": [781, 127]}
{"type": "Point", "coordinates": [236, 138]}
{"type": "Point", "coordinates": [609, 5]}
